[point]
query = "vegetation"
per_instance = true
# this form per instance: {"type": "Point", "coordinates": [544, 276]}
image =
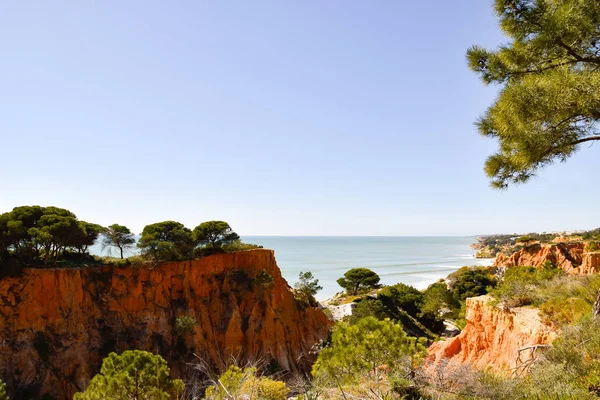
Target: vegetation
{"type": "Point", "coordinates": [470, 282]}
{"type": "Point", "coordinates": [119, 237]}
{"type": "Point", "coordinates": [214, 235]}
{"type": "Point", "coordinates": [3, 395]}
{"type": "Point", "coordinates": [550, 76]}
{"type": "Point", "coordinates": [358, 279]}
{"type": "Point", "coordinates": [307, 288]}
{"type": "Point", "coordinates": [238, 383]}
{"type": "Point", "coordinates": [370, 354]}
{"type": "Point", "coordinates": [184, 325]}
{"type": "Point", "coordinates": [166, 241]}
{"type": "Point", "coordinates": [133, 375]}
{"type": "Point", "coordinates": [44, 235]}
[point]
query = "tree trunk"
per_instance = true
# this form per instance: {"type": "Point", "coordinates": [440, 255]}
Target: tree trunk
{"type": "Point", "coordinates": [596, 308]}
{"type": "Point", "coordinates": [120, 248]}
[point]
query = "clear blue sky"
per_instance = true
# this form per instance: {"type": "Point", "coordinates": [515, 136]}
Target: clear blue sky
{"type": "Point", "coordinates": [281, 117]}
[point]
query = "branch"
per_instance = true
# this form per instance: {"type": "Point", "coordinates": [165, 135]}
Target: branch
{"type": "Point", "coordinates": [587, 139]}
{"type": "Point", "coordinates": [576, 56]}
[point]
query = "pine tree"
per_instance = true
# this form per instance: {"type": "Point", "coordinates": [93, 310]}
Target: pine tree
{"type": "Point", "coordinates": [549, 103]}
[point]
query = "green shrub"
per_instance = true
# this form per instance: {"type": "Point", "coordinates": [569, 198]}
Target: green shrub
{"type": "Point", "coordinates": [470, 282]}
{"type": "Point", "coordinates": [264, 279]}
{"type": "Point", "coordinates": [241, 383]}
{"type": "Point", "coordinates": [132, 374]}
{"type": "Point", "coordinates": [356, 349]}
{"type": "Point", "coordinates": [184, 325]}
{"type": "Point", "coordinates": [592, 246]}
{"type": "Point", "coordinates": [3, 395]}
{"type": "Point", "coordinates": [405, 297]}
{"type": "Point", "coordinates": [519, 283]}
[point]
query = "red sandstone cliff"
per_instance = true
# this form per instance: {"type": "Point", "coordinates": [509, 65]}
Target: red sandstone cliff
{"type": "Point", "coordinates": [569, 256]}
{"type": "Point", "coordinates": [492, 336]}
{"type": "Point", "coordinates": [56, 325]}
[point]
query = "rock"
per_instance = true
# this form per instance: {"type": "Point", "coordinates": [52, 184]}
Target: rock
{"type": "Point", "coordinates": [492, 337]}
{"type": "Point", "coordinates": [56, 325]}
{"type": "Point", "coordinates": [571, 257]}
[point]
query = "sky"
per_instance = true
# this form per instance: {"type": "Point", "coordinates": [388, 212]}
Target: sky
{"type": "Point", "coordinates": [280, 117]}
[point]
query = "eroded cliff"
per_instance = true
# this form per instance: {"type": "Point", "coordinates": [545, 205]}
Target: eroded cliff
{"type": "Point", "coordinates": [492, 336]}
{"type": "Point", "coordinates": [571, 257]}
{"type": "Point", "coordinates": [56, 325]}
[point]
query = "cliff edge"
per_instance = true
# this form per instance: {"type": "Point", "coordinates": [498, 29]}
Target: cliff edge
{"type": "Point", "coordinates": [56, 325]}
{"type": "Point", "coordinates": [571, 257]}
{"type": "Point", "coordinates": [492, 336]}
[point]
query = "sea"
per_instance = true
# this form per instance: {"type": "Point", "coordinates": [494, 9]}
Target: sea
{"type": "Point", "coordinates": [414, 260]}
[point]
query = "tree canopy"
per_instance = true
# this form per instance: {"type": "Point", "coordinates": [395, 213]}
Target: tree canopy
{"type": "Point", "coordinates": [214, 234]}
{"type": "Point", "coordinates": [133, 375]}
{"type": "Point", "coordinates": [366, 350]}
{"type": "Point", "coordinates": [36, 234]}
{"type": "Point", "coordinates": [118, 236]}
{"type": "Point", "coordinates": [357, 279]}
{"type": "Point", "coordinates": [168, 240]}
{"type": "Point", "coordinates": [549, 103]}
{"type": "Point", "coordinates": [307, 287]}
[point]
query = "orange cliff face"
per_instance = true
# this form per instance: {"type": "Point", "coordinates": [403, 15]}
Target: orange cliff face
{"type": "Point", "coordinates": [571, 257]}
{"type": "Point", "coordinates": [56, 325]}
{"type": "Point", "coordinates": [492, 337]}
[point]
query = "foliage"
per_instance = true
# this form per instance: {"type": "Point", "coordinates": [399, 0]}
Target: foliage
{"type": "Point", "coordinates": [238, 245]}
{"type": "Point", "coordinates": [184, 325]}
{"type": "Point", "coordinates": [264, 279]}
{"type": "Point", "coordinates": [244, 383]}
{"type": "Point", "coordinates": [549, 71]}
{"type": "Point", "coordinates": [306, 288]}
{"type": "Point", "coordinates": [368, 350]}
{"type": "Point", "coordinates": [405, 297]}
{"type": "Point", "coordinates": [166, 241]}
{"type": "Point", "coordinates": [3, 395]}
{"type": "Point", "coordinates": [525, 239]}
{"type": "Point", "coordinates": [35, 234]}
{"type": "Point", "coordinates": [118, 236]}
{"type": "Point", "coordinates": [593, 245]}
{"type": "Point", "coordinates": [132, 375]}
{"type": "Point", "coordinates": [516, 289]}
{"type": "Point", "coordinates": [357, 279]}
{"type": "Point", "coordinates": [369, 307]}
{"type": "Point", "coordinates": [214, 234]}
{"type": "Point", "coordinates": [470, 282]}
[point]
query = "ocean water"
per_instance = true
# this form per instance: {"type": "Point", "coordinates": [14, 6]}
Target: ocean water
{"type": "Point", "coordinates": [417, 261]}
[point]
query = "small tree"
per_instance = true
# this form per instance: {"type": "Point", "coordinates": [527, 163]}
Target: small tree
{"type": "Point", "coordinates": [214, 234]}
{"type": "Point", "coordinates": [357, 279]}
{"type": "Point", "coordinates": [118, 236]}
{"type": "Point", "coordinates": [307, 287]}
{"type": "Point", "coordinates": [133, 375]}
{"type": "Point", "coordinates": [369, 349]}
{"type": "Point", "coordinates": [166, 241]}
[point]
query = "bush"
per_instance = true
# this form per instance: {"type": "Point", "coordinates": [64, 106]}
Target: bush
{"type": "Point", "coordinates": [132, 374]}
{"type": "Point", "coordinates": [592, 246]}
{"type": "Point", "coordinates": [264, 279]}
{"type": "Point", "coordinates": [241, 383]}
{"type": "Point", "coordinates": [369, 352]}
{"type": "Point", "coordinates": [517, 287]}
{"type": "Point", "coordinates": [405, 297]}
{"type": "Point", "coordinates": [3, 395]}
{"type": "Point", "coordinates": [470, 282]}
{"type": "Point", "coordinates": [184, 325]}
